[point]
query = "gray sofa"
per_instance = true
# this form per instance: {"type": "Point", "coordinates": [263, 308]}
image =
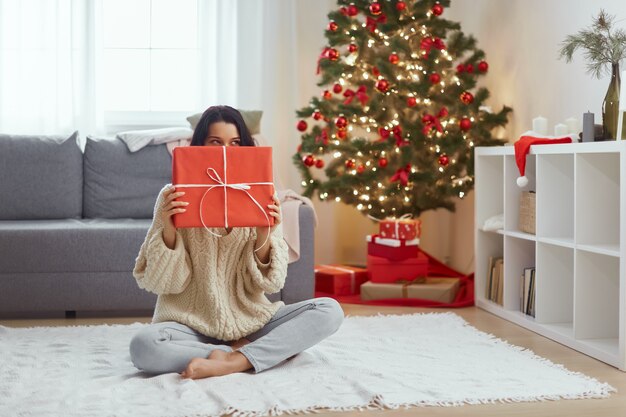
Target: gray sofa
{"type": "Point", "coordinates": [72, 222]}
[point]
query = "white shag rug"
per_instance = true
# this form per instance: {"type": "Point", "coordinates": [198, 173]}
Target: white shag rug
{"type": "Point", "coordinates": [374, 362]}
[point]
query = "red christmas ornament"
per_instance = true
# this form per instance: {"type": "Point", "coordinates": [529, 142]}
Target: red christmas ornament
{"type": "Point", "coordinates": [332, 26]}
{"type": "Point", "coordinates": [337, 88]}
{"type": "Point", "coordinates": [327, 95]}
{"type": "Point", "coordinates": [400, 6]}
{"type": "Point", "coordinates": [411, 101]}
{"type": "Point", "coordinates": [350, 164]}
{"type": "Point", "coordinates": [460, 68]}
{"type": "Point", "coordinates": [444, 160]}
{"type": "Point", "coordinates": [469, 68]}
{"type": "Point", "coordinates": [341, 122]}
{"type": "Point", "coordinates": [467, 97]}
{"type": "Point", "coordinates": [483, 66]}
{"type": "Point", "coordinates": [376, 9]}
{"type": "Point", "coordinates": [332, 54]}
{"type": "Point", "coordinates": [394, 59]}
{"type": "Point", "coordinates": [382, 162]}
{"type": "Point", "coordinates": [382, 85]}
{"type": "Point", "coordinates": [343, 10]}
{"type": "Point", "coordinates": [465, 124]}
{"type": "Point", "coordinates": [443, 112]}
{"type": "Point", "coordinates": [317, 115]}
{"type": "Point", "coordinates": [319, 163]}
{"type": "Point", "coordinates": [302, 126]}
{"type": "Point", "coordinates": [309, 160]}
{"type": "Point", "coordinates": [341, 134]}
{"type": "Point", "coordinates": [375, 71]}
{"type": "Point", "coordinates": [352, 10]}
{"type": "Point", "coordinates": [352, 48]}
{"type": "Point", "coordinates": [360, 169]}
{"type": "Point", "coordinates": [437, 9]}
{"type": "Point", "coordinates": [435, 78]}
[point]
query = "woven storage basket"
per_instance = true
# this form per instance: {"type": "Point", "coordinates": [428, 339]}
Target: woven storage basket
{"type": "Point", "coordinates": [527, 204]}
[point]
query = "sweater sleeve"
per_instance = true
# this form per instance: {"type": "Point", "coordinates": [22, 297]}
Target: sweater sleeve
{"type": "Point", "coordinates": [269, 277]}
{"type": "Point", "coordinates": [159, 269]}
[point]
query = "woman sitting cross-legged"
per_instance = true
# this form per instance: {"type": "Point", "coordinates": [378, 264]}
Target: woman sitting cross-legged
{"type": "Point", "coordinates": [212, 316]}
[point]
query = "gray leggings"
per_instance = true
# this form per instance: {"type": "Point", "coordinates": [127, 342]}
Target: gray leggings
{"type": "Point", "coordinates": [169, 346]}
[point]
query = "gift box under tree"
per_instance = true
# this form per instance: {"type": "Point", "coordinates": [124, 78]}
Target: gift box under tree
{"type": "Point", "coordinates": [425, 288]}
{"type": "Point", "coordinates": [407, 229]}
{"type": "Point", "coordinates": [226, 186]}
{"type": "Point", "coordinates": [339, 279]}
{"type": "Point", "coordinates": [383, 270]}
{"type": "Point", "coordinates": [392, 249]}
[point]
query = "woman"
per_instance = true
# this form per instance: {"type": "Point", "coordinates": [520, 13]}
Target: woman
{"type": "Point", "coordinates": [212, 316]}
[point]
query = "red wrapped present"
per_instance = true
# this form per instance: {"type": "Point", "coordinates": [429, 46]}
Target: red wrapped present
{"type": "Point", "coordinates": [383, 270]}
{"type": "Point", "coordinates": [226, 186]}
{"type": "Point", "coordinates": [339, 279]}
{"type": "Point", "coordinates": [392, 249]}
{"type": "Point", "coordinates": [401, 228]}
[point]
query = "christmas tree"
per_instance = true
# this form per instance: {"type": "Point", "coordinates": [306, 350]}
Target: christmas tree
{"type": "Point", "coordinates": [394, 128]}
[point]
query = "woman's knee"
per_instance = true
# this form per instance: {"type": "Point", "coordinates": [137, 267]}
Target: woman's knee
{"type": "Point", "coordinates": [143, 349]}
{"type": "Point", "coordinates": [333, 310]}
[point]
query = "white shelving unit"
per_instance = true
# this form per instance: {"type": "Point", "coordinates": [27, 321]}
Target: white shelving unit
{"type": "Point", "coordinates": [579, 251]}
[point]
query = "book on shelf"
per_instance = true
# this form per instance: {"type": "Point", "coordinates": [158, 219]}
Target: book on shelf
{"type": "Point", "coordinates": [494, 288]}
{"type": "Point", "coordinates": [527, 292]}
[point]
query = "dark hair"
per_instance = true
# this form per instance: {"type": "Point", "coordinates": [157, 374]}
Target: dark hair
{"type": "Point", "coordinates": [225, 114]}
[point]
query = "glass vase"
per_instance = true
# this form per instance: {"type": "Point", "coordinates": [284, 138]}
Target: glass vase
{"type": "Point", "coordinates": [610, 106]}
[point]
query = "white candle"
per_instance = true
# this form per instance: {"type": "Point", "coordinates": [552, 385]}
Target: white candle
{"type": "Point", "coordinates": [560, 130]}
{"type": "Point", "coordinates": [572, 125]}
{"type": "Point", "coordinates": [540, 125]}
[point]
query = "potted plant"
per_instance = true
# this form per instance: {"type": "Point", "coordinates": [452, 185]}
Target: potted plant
{"type": "Point", "coordinates": [604, 47]}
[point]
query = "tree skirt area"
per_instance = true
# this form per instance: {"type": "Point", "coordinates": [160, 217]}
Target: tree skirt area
{"type": "Point", "coordinates": [373, 362]}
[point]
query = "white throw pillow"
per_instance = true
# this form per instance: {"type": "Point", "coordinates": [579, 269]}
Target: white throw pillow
{"type": "Point", "coordinates": [137, 139]}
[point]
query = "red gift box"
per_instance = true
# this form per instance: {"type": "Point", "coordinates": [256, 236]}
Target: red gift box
{"type": "Point", "coordinates": [383, 270]}
{"type": "Point", "coordinates": [339, 279]}
{"type": "Point", "coordinates": [392, 249]}
{"type": "Point", "coordinates": [226, 186]}
{"type": "Point", "coordinates": [407, 229]}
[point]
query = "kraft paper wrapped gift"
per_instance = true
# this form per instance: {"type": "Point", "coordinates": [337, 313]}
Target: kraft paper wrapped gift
{"type": "Point", "coordinates": [392, 249]}
{"type": "Point", "coordinates": [226, 186]}
{"type": "Point", "coordinates": [436, 289]}
{"type": "Point", "coordinates": [383, 270]}
{"type": "Point", "coordinates": [339, 279]}
{"type": "Point", "coordinates": [407, 229]}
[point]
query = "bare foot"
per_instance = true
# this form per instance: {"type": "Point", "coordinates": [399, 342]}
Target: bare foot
{"type": "Point", "coordinates": [217, 364]}
{"type": "Point", "coordinates": [239, 343]}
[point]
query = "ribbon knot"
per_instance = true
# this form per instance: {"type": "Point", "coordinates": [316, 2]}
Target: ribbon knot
{"type": "Point", "coordinates": [360, 93]}
{"type": "Point", "coordinates": [432, 122]}
{"type": "Point", "coordinates": [430, 42]}
{"type": "Point", "coordinates": [402, 175]}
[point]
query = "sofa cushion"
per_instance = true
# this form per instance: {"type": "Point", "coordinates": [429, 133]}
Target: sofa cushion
{"type": "Point", "coordinates": [41, 177]}
{"type": "Point", "coordinates": [70, 245]}
{"type": "Point", "coordinates": [121, 184]}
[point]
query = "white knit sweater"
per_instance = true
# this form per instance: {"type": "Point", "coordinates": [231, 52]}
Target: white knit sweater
{"type": "Point", "coordinates": [214, 285]}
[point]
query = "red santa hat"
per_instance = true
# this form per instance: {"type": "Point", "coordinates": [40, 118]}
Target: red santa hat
{"type": "Point", "coordinates": [522, 146]}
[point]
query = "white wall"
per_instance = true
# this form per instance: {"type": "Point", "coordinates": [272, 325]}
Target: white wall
{"type": "Point", "coordinates": [521, 39]}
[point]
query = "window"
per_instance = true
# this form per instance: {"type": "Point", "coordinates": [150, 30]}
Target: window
{"type": "Point", "coordinates": [150, 60]}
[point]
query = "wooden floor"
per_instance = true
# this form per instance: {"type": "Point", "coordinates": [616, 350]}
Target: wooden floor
{"type": "Point", "coordinates": [574, 361]}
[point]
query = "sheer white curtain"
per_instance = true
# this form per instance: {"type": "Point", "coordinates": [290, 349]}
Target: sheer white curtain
{"type": "Point", "coordinates": [47, 66]}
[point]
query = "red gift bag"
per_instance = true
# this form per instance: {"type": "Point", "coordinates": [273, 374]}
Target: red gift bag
{"type": "Point", "coordinates": [226, 186]}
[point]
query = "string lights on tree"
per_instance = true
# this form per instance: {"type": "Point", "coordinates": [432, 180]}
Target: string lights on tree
{"type": "Point", "coordinates": [399, 112]}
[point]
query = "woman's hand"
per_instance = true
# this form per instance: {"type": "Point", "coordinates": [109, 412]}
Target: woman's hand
{"type": "Point", "coordinates": [262, 232]}
{"type": "Point", "coordinates": [168, 209]}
